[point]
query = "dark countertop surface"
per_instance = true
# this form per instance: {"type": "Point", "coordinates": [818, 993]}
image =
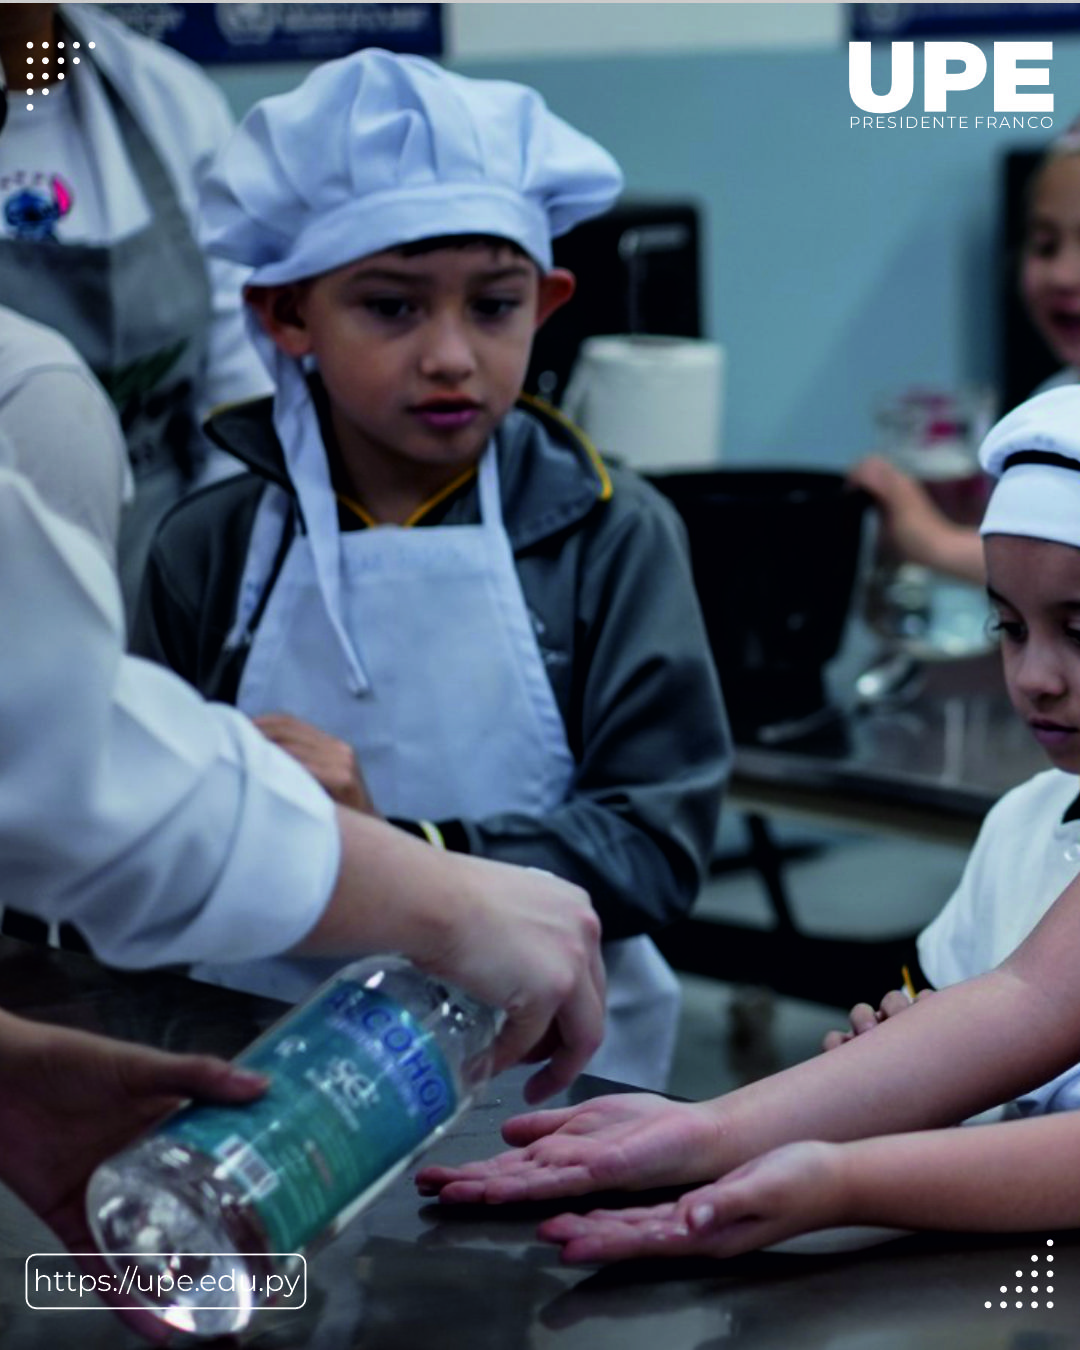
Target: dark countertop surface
{"type": "Point", "coordinates": [948, 745]}
{"type": "Point", "coordinates": [411, 1276]}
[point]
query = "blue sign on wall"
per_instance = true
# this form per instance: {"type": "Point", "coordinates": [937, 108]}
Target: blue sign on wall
{"type": "Point", "coordinates": [894, 22]}
{"type": "Point", "coordinates": [216, 34]}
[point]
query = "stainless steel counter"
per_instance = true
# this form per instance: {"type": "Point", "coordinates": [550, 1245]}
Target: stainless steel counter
{"type": "Point", "coordinates": [930, 764]}
{"type": "Point", "coordinates": [412, 1276]}
{"type": "Point", "coordinates": [927, 764]}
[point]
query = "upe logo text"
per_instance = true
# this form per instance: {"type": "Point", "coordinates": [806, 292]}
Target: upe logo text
{"type": "Point", "coordinates": [950, 67]}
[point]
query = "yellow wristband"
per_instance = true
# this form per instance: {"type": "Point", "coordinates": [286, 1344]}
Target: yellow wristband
{"type": "Point", "coordinates": [432, 834]}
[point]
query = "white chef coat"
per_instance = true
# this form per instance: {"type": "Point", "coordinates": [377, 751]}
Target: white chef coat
{"type": "Point", "coordinates": [128, 805]}
{"type": "Point", "coordinates": [1026, 854]}
{"type": "Point", "coordinates": [65, 433]}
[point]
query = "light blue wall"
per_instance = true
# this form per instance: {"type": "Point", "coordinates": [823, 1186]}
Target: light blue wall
{"type": "Point", "coordinates": [841, 265]}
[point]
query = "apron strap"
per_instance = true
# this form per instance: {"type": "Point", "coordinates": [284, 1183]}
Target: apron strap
{"type": "Point", "coordinates": [223, 681]}
{"type": "Point", "coordinates": [272, 532]}
{"type": "Point", "coordinates": [488, 488]}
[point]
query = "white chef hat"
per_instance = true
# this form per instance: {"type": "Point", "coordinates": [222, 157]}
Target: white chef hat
{"type": "Point", "coordinates": [376, 150]}
{"type": "Point", "coordinates": [1034, 453]}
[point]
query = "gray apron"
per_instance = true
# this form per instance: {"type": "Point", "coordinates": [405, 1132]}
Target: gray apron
{"type": "Point", "coordinates": [138, 312]}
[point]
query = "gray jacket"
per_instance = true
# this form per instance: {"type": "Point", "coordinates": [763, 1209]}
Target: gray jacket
{"type": "Point", "coordinates": [603, 566]}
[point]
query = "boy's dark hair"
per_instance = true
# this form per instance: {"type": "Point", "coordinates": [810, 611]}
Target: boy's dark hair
{"type": "Point", "coordinates": [421, 246]}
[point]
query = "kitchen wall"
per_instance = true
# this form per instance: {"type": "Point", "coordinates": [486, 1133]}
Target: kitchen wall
{"type": "Point", "coordinates": [841, 265]}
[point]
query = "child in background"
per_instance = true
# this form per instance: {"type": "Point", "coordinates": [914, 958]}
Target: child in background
{"type": "Point", "coordinates": [966, 1048]}
{"type": "Point", "coordinates": [438, 598]}
{"type": "Point", "coordinates": [1050, 267]}
{"type": "Point", "coordinates": [1050, 287]}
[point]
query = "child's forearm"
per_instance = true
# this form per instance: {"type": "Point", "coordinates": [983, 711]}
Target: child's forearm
{"type": "Point", "coordinates": [967, 1048]}
{"type": "Point", "coordinates": [995, 1178]}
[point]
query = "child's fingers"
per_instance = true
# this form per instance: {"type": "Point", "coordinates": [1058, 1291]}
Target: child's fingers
{"type": "Point", "coordinates": [521, 1130]}
{"type": "Point", "coordinates": [895, 1001]}
{"type": "Point", "coordinates": [863, 1018]}
{"type": "Point", "coordinates": [835, 1038]}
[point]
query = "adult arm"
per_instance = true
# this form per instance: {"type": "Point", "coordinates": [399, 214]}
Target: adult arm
{"type": "Point", "coordinates": [523, 941]}
{"type": "Point", "coordinates": [127, 806]}
{"type": "Point", "coordinates": [70, 1101]}
{"type": "Point", "coordinates": [170, 830]}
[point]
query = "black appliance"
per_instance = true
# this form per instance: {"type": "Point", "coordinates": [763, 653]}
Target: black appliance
{"type": "Point", "coordinates": [775, 554]}
{"type": "Point", "coordinates": [638, 271]}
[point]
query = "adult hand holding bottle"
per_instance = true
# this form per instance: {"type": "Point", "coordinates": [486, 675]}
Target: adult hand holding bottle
{"type": "Point", "coordinates": [516, 938]}
{"type": "Point", "coordinates": [73, 1099]}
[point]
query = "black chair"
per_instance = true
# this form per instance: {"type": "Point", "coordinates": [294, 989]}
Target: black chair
{"type": "Point", "coordinates": [775, 555]}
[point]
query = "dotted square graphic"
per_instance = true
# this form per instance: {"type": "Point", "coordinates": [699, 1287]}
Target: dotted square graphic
{"type": "Point", "coordinates": [42, 69]}
{"type": "Point", "coordinates": [1047, 1272]}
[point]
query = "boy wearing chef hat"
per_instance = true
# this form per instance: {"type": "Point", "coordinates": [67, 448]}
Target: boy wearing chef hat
{"type": "Point", "coordinates": [1028, 849]}
{"type": "Point", "coordinates": [433, 593]}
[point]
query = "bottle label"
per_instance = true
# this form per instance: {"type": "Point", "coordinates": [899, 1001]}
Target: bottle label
{"type": "Point", "coordinates": [357, 1085]}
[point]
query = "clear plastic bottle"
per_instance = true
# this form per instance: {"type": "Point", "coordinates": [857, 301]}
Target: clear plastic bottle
{"type": "Point", "coordinates": [365, 1075]}
{"type": "Point", "coordinates": [933, 437]}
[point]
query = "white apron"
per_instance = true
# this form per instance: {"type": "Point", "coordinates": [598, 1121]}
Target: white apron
{"type": "Point", "coordinates": [453, 717]}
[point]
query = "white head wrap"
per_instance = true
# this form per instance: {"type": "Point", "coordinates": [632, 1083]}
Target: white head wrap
{"type": "Point", "coordinates": [371, 152]}
{"type": "Point", "coordinates": [1034, 453]}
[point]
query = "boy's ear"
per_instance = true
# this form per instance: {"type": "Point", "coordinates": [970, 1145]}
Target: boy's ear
{"type": "Point", "coordinates": [556, 287]}
{"type": "Point", "coordinates": [280, 311]}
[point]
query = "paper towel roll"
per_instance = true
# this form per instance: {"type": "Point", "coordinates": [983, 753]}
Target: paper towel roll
{"type": "Point", "coordinates": [652, 402]}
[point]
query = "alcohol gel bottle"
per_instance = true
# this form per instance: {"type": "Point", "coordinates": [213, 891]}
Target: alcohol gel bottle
{"type": "Point", "coordinates": [364, 1076]}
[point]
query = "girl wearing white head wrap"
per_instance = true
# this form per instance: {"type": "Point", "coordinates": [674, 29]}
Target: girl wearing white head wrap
{"type": "Point", "coordinates": [1029, 847]}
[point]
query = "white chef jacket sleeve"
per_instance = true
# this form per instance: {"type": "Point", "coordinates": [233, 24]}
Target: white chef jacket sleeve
{"type": "Point", "coordinates": [65, 432]}
{"type": "Point", "coordinates": [953, 946]}
{"type": "Point", "coordinates": [946, 946]}
{"type": "Point", "coordinates": [167, 829]}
